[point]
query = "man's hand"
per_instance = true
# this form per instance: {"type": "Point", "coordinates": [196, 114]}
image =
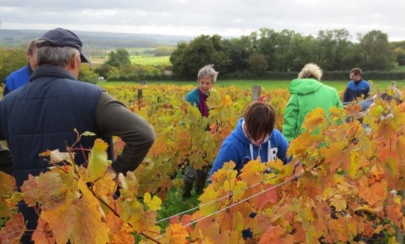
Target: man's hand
{"type": "Point", "coordinates": [113, 174]}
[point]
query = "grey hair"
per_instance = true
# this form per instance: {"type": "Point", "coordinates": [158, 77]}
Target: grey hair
{"type": "Point", "coordinates": [208, 70]}
{"type": "Point", "coordinates": [311, 70]}
{"type": "Point", "coordinates": [57, 56]}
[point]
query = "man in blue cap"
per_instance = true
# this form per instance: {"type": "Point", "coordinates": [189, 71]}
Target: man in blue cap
{"type": "Point", "coordinates": [43, 115]}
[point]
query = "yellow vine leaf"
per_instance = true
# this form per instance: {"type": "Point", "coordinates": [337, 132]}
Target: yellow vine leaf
{"type": "Point", "coordinates": [194, 114]}
{"type": "Point", "coordinates": [226, 101]}
{"type": "Point", "coordinates": [339, 202]}
{"type": "Point", "coordinates": [238, 190]}
{"type": "Point", "coordinates": [7, 183]}
{"type": "Point", "coordinates": [209, 195]}
{"type": "Point", "coordinates": [129, 185]}
{"type": "Point", "coordinates": [98, 160]}
{"type": "Point", "coordinates": [152, 202]}
{"type": "Point", "coordinates": [238, 222]}
{"type": "Point", "coordinates": [354, 164]}
{"type": "Point", "coordinates": [314, 119]}
{"type": "Point", "coordinates": [15, 198]}
{"type": "Point", "coordinates": [252, 172]}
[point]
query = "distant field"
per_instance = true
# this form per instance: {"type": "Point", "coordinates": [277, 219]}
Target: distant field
{"type": "Point", "coordinates": [143, 60]}
{"type": "Point", "coordinates": [399, 69]}
{"type": "Point", "coordinates": [150, 60]}
{"type": "Point", "coordinates": [266, 84]}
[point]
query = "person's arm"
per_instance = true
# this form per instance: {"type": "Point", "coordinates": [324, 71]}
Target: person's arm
{"type": "Point", "coordinates": [289, 127]}
{"type": "Point", "coordinates": [346, 95]}
{"type": "Point", "coordinates": [367, 91]}
{"type": "Point", "coordinates": [114, 119]}
{"type": "Point", "coordinates": [226, 153]}
{"type": "Point", "coordinates": [282, 147]}
{"type": "Point", "coordinates": [7, 83]}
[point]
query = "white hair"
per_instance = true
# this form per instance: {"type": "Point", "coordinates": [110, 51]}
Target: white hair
{"type": "Point", "coordinates": [311, 70]}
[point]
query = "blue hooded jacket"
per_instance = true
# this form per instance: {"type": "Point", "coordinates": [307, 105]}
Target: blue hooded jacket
{"type": "Point", "coordinates": [238, 148]}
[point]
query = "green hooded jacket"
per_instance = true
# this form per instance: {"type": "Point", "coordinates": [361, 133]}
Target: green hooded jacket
{"type": "Point", "coordinates": [306, 95]}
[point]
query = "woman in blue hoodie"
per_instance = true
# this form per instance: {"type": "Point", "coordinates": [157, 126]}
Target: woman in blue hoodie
{"type": "Point", "coordinates": [253, 136]}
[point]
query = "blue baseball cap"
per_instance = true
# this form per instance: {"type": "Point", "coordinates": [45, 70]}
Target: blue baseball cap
{"type": "Point", "coordinates": [63, 38]}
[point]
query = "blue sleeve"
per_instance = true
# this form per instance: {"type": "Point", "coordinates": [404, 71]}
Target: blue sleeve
{"type": "Point", "coordinates": [366, 94]}
{"type": "Point", "coordinates": [192, 99]}
{"type": "Point", "coordinates": [282, 145]}
{"type": "Point", "coordinates": [226, 153]}
{"type": "Point", "coordinates": [7, 86]}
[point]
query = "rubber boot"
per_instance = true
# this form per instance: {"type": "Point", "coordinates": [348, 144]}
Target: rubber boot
{"type": "Point", "coordinates": [187, 186]}
{"type": "Point", "coordinates": [200, 182]}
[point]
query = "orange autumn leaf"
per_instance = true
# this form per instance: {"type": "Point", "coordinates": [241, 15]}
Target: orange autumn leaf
{"type": "Point", "coordinates": [372, 193]}
{"type": "Point", "coordinates": [314, 119]}
{"type": "Point", "coordinates": [78, 220]}
{"type": "Point", "coordinates": [13, 230]}
{"type": "Point", "coordinates": [43, 234]}
{"type": "Point", "coordinates": [123, 236]}
{"type": "Point", "coordinates": [336, 156]}
{"type": "Point", "coordinates": [176, 233]}
{"type": "Point", "coordinates": [47, 189]}
{"type": "Point", "coordinates": [274, 235]}
{"type": "Point", "coordinates": [7, 184]}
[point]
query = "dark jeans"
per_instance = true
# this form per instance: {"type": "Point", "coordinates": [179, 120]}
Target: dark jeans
{"type": "Point", "coordinates": [191, 175]}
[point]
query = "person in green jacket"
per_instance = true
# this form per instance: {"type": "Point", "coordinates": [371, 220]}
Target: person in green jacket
{"type": "Point", "coordinates": [307, 93]}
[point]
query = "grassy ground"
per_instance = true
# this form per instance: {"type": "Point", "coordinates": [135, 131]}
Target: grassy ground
{"type": "Point", "coordinates": [266, 84]}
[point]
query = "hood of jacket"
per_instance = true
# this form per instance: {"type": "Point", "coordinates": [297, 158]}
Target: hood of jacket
{"type": "Point", "coordinates": [304, 86]}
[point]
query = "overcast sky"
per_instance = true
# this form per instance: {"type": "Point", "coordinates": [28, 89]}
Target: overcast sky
{"type": "Point", "coordinates": [196, 17]}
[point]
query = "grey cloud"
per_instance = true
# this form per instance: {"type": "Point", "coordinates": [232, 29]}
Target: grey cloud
{"type": "Point", "coordinates": [303, 16]}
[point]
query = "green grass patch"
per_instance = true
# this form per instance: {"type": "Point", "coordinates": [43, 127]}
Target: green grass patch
{"type": "Point", "coordinates": [399, 69]}
{"type": "Point", "coordinates": [150, 60]}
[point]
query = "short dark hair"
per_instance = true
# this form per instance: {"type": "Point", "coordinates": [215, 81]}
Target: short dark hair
{"type": "Point", "coordinates": [356, 71]}
{"type": "Point", "coordinates": [260, 118]}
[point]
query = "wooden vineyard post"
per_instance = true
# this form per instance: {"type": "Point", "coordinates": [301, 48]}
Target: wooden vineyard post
{"type": "Point", "coordinates": [256, 90]}
{"type": "Point", "coordinates": [140, 96]}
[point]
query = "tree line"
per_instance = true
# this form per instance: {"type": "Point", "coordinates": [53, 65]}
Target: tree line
{"type": "Point", "coordinates": [263, 52]}
{"type": "Point", "coordinates": [287, 51]}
